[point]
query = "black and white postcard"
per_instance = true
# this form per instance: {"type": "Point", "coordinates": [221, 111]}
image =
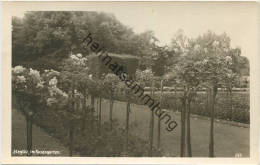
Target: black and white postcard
{"type": "Point", "coordinates": [130, 82]}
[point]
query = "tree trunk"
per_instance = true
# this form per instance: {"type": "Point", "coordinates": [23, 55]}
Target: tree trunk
{"type": "Point", "coordinates": [127, 122]}
{"type": "Point", "coordinates": [29, 135]}
{"type": "Point", "coordinates": [183, 121]}
{"type": "Point", "coordinates": [111, 114]}
{"type": "Point", "coordinates": [99, 114]}
{"type": "Point", "coordinates": [92, 109]}
{"type": "Point", "coordinates": [211, 138]}
{"type": "Point", "coordinates": [84, 108]}
{"type": "Point", "coordinates": [71, 132]}
{"type": "Point", "coordinates": [207, 101]}
{"type": "Point", "coordinates": [175, 101]}
{"type": "Point", "coordinates": [231, 104]}
{"type": "Point", "coordinates": [71, 128]}
{"type": "Point", "coordinates": [188, 131]}
{"type": "Point", "coordinates": [159, 121]}
{"type": "Point", "coordinates": [151, 124]}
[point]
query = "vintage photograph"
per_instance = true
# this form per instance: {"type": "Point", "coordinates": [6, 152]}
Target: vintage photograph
{"type": "Point", "coordinates": [133, 80]}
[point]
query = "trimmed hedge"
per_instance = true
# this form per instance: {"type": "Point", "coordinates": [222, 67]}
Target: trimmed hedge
{"type": "Point", "coordinates": [240, 111]}
{"type": "Point", "coordinates": [128, 62]}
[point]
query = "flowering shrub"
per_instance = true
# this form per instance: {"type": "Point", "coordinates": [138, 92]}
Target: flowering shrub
{"type": "Point", "coordinates": [30, 82]}
{"type": "Point", "coordinates": [144, 77]}
{"type": "Point", "coordinates": [79, 60]}
{"type": "Point", "coordinates": [26, 80]}
{"type": "Point", "coordinates": [111, 82]}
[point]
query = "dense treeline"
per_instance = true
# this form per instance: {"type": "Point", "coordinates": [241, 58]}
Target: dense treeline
{"type": "Point", "coordinates": [48, 37]}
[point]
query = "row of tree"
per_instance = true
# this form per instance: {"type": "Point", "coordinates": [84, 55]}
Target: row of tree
{"type": "Point", "coordinates": [207, 61]}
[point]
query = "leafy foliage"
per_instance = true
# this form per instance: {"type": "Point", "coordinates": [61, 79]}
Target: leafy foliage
{"type": "Point", "coordinates": [48, 37]}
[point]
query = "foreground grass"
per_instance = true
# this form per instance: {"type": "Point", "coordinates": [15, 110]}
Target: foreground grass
{"type": "Point", "coordinates": [229, 139]}
{"type": "Point", "coordinates": [41, 140]}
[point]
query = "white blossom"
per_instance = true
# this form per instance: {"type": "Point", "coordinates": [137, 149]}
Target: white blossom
{"type": "Point", "coordinates": [77, 94]}
{"type": "Point", "coordinates": [54, 71]}
{"type": "Point", "coordinates": [51, 101]}
{"type": "Point", "coordinates": [205, 61]}
{"type": "Point", "coordinates": [21, 79]}
{"type": "Point", "coordinates": [65, 95]}
{"type": "Point", "coordinates": [148, 71]}
{"type": "Point", "coordinates": [79, 55]}
{"type": "Point", "coordinates": [167, 76]}
{"type": "Point", "coordinates": [55, 91]}
{"type": "Point", "coordinates": [35, 74]}
{"type": "Point", "coordinates": [39, 84]}
{"type": "Point", "coordinates": [53, 81]}
{"type": "Point", "coordinates": [228, 58]}
{"type": "Point", "coordinates": [73, 57]}
{"type": "Point", "coordinates": [215, 43]}
{"type": "Point", "coordinates": [18, 69]}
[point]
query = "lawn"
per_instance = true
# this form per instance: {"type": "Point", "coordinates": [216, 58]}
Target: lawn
{"type": "Point", "coordinates": [229, 139]}
{"type": "Point", "coordinates": [41, 140]}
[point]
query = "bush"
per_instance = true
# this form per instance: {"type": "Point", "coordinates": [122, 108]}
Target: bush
{"type": "Point", "coordinates": [240, 105]}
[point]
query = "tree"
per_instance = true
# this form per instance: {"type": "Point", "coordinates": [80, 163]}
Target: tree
{"type": "Point", "coordinates": [145, 48]}
{"type": "Point", "coordinates": [162, 59]}
{"type": "Point", "coordinates": [159, 121]}
{"type": "Point", "coordinates": [75, 80]}
{"type": "Point", "coordinates": [215, 64]}
{"type": "Point", "coordinates": [48, 37]}
{"type": "Point", "coordinates": [146, 78]}
{"type": "Point", "coordinates": [231, 78]}
{"type": "Point", "coordinates": [126, 93]}
{"type": "Point", "coordinates": [33, 91]}
{"type": "Point", "coordinates": [206, 61]}
{"type": "Point", "coordinates": [41, 34]}
{"type": "Point", "coordinates": [110, 83]}
{"type": "Point", "coordinates": [186, 75]}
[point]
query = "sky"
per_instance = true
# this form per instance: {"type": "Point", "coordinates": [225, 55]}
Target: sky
{"type": "Point", "coordinates": [239, 20]}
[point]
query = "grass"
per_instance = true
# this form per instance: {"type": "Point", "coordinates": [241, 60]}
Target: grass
{"type": "Point", "coordinates": [41, 140]}
{"type": "Point", "coordinates": [229, 139]}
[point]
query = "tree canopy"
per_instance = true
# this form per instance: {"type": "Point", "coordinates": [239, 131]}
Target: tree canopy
{"type": "Point", "coordinates": [42, 40]}
{"type": "Point", "coordinates": [47, 37]}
